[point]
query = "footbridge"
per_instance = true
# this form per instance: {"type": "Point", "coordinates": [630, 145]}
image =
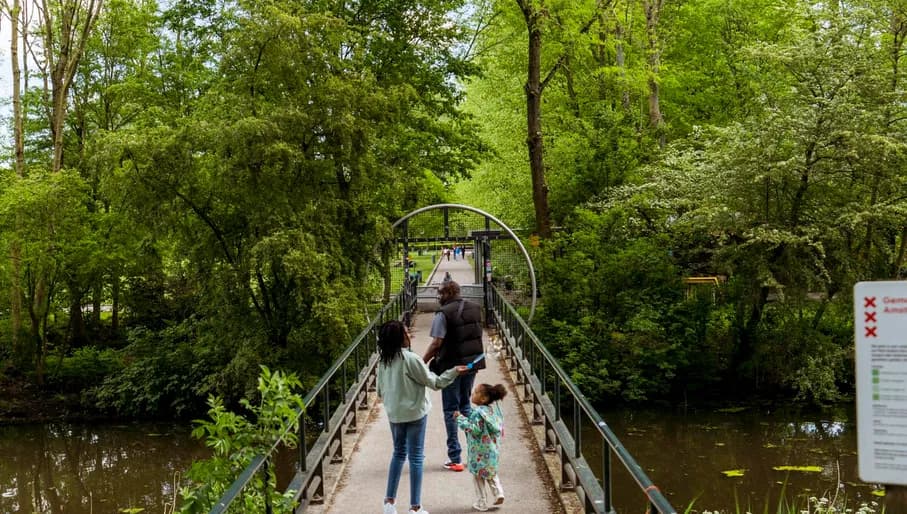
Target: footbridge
{"type": "Point", "coordinates": [558, 454]}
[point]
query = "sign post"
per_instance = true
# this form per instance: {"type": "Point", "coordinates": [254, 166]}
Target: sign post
{"type": "Point", "coordinates": [880, 326]}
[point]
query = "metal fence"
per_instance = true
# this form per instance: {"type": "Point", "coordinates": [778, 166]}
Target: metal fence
{"type": "Point", "coordinates": [330, 406]}
{"type": "Point", "coordinates": [344, 389]}
{"type": "Point", "coordinates": [552, 392]}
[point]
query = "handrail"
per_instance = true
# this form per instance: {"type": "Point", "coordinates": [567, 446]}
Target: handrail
{"type": "Point", "coordinates": [533, 364]}
{"type": "Point", "coordinates": [309, 467]}
{"type": "Point", "coordinates": [532, 361]}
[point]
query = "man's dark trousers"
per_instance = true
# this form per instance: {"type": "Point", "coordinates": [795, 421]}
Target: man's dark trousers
{"type": "Point", "coordinates": [455, 397]}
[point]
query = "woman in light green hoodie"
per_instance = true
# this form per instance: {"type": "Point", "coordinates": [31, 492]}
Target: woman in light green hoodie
{"type": "Point", "coordinates": [403, 382]}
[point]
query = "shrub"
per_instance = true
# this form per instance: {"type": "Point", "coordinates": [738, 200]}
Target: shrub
{"type": "Point", "coordinates": [87, 366]}
{"type": "Point", "coordinates": [235, 440]}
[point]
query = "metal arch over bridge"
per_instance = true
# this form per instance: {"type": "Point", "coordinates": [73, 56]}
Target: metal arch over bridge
{"type": "Point", "coordinates": [477, 236]}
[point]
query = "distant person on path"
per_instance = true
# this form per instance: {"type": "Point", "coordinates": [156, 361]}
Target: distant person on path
{"type": "Point", "coordinates": [447, 278]}
{"type": "Point", "coordinates": [483, 427]}
{"type": "Point", "coordinates": [402, 382]}
{"type": "Point", "coordinates": [456, 332]}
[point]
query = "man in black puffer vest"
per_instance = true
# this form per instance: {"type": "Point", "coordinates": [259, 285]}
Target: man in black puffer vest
{"type": "Point", "coordinates": [456, 332]}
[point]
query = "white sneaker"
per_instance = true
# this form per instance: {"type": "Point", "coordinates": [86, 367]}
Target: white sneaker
{"type": "Point", "coordinates": [499, 500]}
{"type": "Point", "coordinates": [480, 506]}
{"type": "Point", "coordinates": [420, 511]}
{"type": "Point", "coordinates": [390, 508]}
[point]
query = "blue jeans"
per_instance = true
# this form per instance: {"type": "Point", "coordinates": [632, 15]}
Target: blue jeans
{"type": "Point", "coordinates": [409, 441]}
{"type": "Point", "coordinates": [455, 397]}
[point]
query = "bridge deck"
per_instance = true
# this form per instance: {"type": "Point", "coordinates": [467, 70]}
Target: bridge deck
{"type": "Point", "coordinates": [526, 481]}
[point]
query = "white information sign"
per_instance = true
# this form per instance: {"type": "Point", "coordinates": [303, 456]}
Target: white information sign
{"type": "Point", "coordinates": [880, 324]}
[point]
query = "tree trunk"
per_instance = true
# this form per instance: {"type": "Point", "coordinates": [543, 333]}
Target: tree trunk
{"type": "Point", "coordinates": [571, 89]}
{"type": "Point", "coordinates": [64, 43]}
{"type": "Point", "coordinates": [115, 309]}
{"type": "Point", "coordinates": [534, 140]}
{"type": "Point", "coordinates": [58, 117]}
{"type": "Point", "coordinates": [34, 314]}
{"type": "Point", "coordinates": [747, 336]}
{"type": "Point", "coordinates": [77, 335]}
{"type": "Point", "coordinates": [656, 120]}
{"type": "Point", "coordinates": [18, 134]}
{"type": "Point", "coordinates": [96, 293]}
{"type": "Point", "coordinates": [621, 65]}
{"type": "Point", "coordinates": [18, 126]}
{"type": "Point", "coordinates": [800, 194]}
{"type": "Point", "coordinates": [15, 306]}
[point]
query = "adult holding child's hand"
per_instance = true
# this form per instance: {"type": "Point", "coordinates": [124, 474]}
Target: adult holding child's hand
{"type": "Point", "coordinates": [403, 383]}
{"type": "Point", "coordinates": [456, 332]}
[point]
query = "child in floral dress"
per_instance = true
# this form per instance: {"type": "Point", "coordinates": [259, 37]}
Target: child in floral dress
{"type": "Point", "coordinates": [483, 427]}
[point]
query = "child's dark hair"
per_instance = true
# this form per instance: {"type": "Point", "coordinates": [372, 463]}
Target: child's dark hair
{"type": "Point", "coordinates": [493, 392]}
{"type": "Point", "coordinates": [390, 341]}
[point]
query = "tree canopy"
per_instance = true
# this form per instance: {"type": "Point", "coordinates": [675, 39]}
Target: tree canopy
{"type": "Point", "coordinates": [197, 188]}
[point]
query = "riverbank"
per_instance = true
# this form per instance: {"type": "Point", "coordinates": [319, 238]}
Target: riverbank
{"type": "Point", "coordinates": [22, 402]}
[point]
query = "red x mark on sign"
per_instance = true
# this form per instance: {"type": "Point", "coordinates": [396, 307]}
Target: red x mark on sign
{"type": "Point", "coordinates": [871, 317]}
{"type": "Point", "coordinates": [869, 301]}
{"type": "Point", "coordinates": [871, 331]}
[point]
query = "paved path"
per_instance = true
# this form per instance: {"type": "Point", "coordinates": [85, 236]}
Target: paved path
{"type": "Point", "coordinates": [526, 482]}
{"type": "Point", "coordinates": [460, 270]}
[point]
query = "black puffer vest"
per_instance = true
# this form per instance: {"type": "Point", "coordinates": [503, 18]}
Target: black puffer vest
{"type": "Point", "coordinates": [463, 341]}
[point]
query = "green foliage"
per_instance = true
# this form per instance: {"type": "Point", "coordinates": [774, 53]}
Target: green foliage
{"type": "Point", "coordinates": [233, 167]}
{"type": "Point", "coordinates": [45, 222]}
{"type": "Point", "coordinates": [86, 367]}
{"type": "Point", "coordinates": [235, 439]}
{"type": "Point", "coordinates": [609, 323]}
{"type": "Point", "coordinates": [787, 196]}
{"type": "Point", "coordinates": [230, 168]}
{"type": "Point", "coordinates": [165, 373]}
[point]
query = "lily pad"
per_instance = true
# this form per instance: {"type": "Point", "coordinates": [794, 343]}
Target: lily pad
{"type": "Point", "coordinates": [734, 472]}
{"type": "Point", "coordinates": [878, 492]}
{"type": "Point", "coordinates": [769, 445]}
{"type": "Point", "coordinates": [805, 469]}
{"type": "Point", "coordinates": [733, 410]}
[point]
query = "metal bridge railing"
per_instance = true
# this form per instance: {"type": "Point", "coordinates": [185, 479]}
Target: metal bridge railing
{"type": "Point", "coordinates": [341, 391]}
{"type": "Point", "coordinates": [550, 390]}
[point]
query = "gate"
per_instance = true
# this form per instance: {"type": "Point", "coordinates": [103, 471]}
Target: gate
{"type": "Point", "coordinates": [497, 253]}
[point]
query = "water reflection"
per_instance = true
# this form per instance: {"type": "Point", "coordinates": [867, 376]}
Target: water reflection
{"type": "Point", "coordinates": [81, 469]}
{"type": "Point", "coordinates": [684, 453]}
{"type": "Point", "coordinates": [76, 469]}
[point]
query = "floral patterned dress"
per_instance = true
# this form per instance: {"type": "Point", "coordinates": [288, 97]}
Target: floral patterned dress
{"type": "Point", "coordinates": [483, 427]}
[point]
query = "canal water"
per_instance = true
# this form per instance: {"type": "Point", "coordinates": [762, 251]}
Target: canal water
{"type": "Point", "coordinates": [687, 452]}
{"type": "Point", "coordinates": [97, 469]}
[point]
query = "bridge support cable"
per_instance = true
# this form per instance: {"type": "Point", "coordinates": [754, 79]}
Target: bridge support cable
{"type": "Point", "coordinates": [533, 366]}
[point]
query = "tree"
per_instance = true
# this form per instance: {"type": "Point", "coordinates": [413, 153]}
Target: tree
{"type": "Point", "coordinates": [534, 88]}
{"type": "Point", "coordinates": [65, 29]}
{"type": "Point", "coordinates": [44, 215]}
{"type": "Point", "coordinates": [653, 10]}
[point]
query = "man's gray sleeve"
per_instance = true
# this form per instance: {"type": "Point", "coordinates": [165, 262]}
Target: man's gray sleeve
{"type": "Point", "coordinates": [438, 326]}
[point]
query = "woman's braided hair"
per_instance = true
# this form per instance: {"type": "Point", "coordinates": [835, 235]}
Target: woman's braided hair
{"type": "Point", "coordinates": [390, 341]}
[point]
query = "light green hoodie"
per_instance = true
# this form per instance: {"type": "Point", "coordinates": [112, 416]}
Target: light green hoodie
{"type": "Point", "coordinates": [403, 383]}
